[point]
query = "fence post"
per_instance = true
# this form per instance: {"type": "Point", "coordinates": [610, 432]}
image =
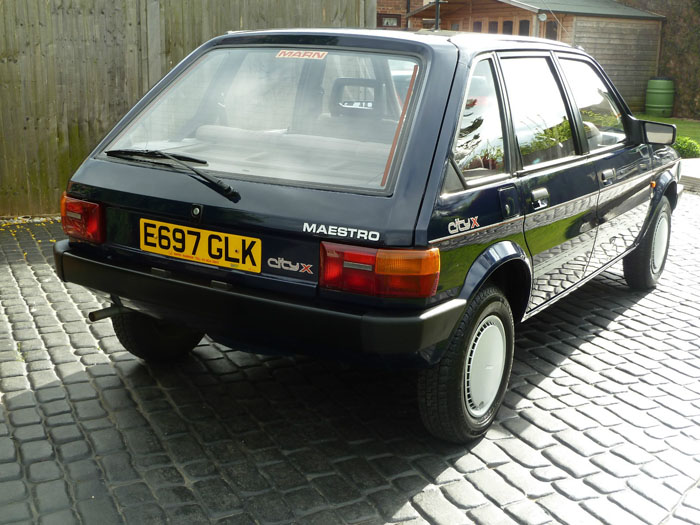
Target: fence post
{"type": "Point", "coordinates": [153, 40]}
{"type": "Point", "coordinates": [371, 14]}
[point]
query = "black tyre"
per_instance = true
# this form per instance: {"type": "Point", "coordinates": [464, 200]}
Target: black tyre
{"type": "Point", "coordinates": [643, 266]}
{"type": "Point", "coordinates": [460, 396]}
{"type": "Point", "coordinates": [153, 339]}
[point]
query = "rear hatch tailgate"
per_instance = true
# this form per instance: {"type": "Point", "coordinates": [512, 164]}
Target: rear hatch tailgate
{"type": "Point", "coordinates": [269, 239]}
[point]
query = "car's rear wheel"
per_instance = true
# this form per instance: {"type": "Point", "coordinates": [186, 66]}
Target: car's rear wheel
{"type": "Point", "coordinates": [460, 396]}
{"type": "Point", "coordinates": [154, 339]}
{"type": "Point", "coordinates": [643, 266]}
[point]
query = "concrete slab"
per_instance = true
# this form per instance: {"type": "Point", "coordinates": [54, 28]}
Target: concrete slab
{"type": "Point", "coordinates": [690, 174]}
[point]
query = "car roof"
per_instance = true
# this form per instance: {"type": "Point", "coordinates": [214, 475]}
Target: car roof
{"type": "Point", "coordinates": [469, 44]}
{"type": "Point", "coordinates": [488, 41]}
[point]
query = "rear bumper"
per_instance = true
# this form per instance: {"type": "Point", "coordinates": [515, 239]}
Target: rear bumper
{"type": "Point", "coordinates": [262, 318]}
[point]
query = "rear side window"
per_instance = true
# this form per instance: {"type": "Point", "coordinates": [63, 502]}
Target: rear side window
{"type": "Point", "coordinates": [540, 119]}
{"type": "Point", "coordinates": [600, 113]}
{"type": "Point", "coordinates": [478, 150]}
{"type": "Point", "coordinates": [311, 117]}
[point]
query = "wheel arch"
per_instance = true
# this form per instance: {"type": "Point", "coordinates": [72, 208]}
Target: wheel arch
{"type": "Point", "coordinates": [666, 186]}
{"type": "Point", "coordinates": [671, 193]}
{"type": "Point", "coordinates": [507, 265]}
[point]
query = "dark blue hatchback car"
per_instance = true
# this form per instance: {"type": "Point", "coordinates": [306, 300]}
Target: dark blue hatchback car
{"type": "Point", "coordinates": [336, 191]}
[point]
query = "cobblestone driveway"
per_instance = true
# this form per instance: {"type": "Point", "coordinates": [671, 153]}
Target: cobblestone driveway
{"type": "Point", "coordinates": [601, 423]}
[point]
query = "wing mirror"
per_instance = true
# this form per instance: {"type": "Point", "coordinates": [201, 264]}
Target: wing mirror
{"type": "Point", "coordinates": [647, 132]}
{"type": "Point", "coordinates": [658, 133]}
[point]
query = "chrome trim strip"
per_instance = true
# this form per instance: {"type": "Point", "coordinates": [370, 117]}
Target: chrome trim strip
{"type": "Point", "coordinates": [483, 181]}
{"type": "Point", "coordinates": [357, 266]}
{"type": "Point", "coordinates": [479, 183]}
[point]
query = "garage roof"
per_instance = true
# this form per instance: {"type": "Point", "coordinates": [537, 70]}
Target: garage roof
{"type": "Point", "coordinates": [606, 8]}
{"type": "Point", "coordinates": [583, 7]}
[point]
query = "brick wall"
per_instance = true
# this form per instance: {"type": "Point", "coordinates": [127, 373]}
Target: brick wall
{"type": "Point", "coordinates": [398, 7]}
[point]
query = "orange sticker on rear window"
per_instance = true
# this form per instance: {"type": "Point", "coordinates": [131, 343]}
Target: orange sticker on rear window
{"type": "Point", "coordinates": [312, 55]}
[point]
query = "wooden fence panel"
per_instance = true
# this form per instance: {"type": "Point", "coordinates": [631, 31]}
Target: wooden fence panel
{"type": "Point", "coordinates": [70, 69]}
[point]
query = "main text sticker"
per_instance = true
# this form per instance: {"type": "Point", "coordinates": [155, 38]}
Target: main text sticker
{"type": "Point", "coordinates": [310, 55]}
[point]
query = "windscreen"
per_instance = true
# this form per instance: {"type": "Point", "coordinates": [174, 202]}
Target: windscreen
{"type": "Point", "coordinates": [296, 116]}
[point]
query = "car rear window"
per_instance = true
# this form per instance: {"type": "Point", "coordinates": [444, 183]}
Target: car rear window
{"type": "Point", "coordinates": [318, 117]}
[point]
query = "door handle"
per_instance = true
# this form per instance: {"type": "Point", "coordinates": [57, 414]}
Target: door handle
{"type": "Point", "coordinates": [607, 177]}
{"type": "Point", "coordinates": [540, 198]}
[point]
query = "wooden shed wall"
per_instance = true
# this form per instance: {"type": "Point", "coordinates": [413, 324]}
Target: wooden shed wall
{"type": "Point", "coordinates": [566, 29]}
{"type": "Point", "coordinates": [627, 49]}
{"type": "Point", "coordinates": [485, 11]}
{"type": "Point", "coordinates": [70, 69]}
{"type": "Point", "coordinates": [680, 50]}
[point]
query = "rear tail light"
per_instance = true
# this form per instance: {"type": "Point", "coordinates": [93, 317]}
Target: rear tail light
{"type": "Point", "coordinates": [380, 272]}
{"type": "Point", "coordinates": [82, 219]}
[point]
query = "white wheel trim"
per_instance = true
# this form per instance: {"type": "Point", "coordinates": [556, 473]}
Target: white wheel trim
{"type": "Point", "coordinates": [486, 358]}
{"type": "Point", "coordinates": [659, 243]}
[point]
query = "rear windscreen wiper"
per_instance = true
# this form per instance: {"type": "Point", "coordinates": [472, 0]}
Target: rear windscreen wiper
{"type": "Point", "coordinates": [181, 160]}
{"type": "Point", "coordinates": [153, 153]}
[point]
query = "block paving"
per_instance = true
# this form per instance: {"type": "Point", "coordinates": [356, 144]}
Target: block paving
{"type": "Point", "coordinates": [601, 422]}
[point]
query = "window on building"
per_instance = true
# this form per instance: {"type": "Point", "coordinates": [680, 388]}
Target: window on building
{"type": "Point", "coordinates": [551, 30]}
{"type": "Point", "coordinates": [540, 119]}
{"type": "Point", "coordinates": [600, 113]}
{"type": "Point", "coordinates": [389, 21]}
{"type": "Point", "coordinates": [507, 27]}
{"type": "Point", "coordinates": [524, 28]}
{"type": "Point", "coordinates": [476, 27]}
{"type": "Point", "coordinates": [455, 26]}
{"type": "Point", "coordinates": [493, 27]}
{"type": "Point", "coordinates": [478, 150]}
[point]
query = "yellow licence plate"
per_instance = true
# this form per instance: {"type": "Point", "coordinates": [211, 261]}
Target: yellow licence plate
{"type": "Point", "coordinates": [202, 246]}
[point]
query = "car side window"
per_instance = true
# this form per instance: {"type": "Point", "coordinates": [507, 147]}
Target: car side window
{"type": "Point", "coordinates": [540, 119]}
{"type": "Point", "coordinates": [478, 150]}
{"type": "Point", "coordinates": [600, 113]}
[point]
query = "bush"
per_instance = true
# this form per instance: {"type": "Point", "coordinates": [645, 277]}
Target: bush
{"type": "Point", "coordinates": [687, 148]}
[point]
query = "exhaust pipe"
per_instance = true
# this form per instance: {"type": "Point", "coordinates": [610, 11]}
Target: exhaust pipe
{"type": "Point", "coordinates": [98, 315]}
